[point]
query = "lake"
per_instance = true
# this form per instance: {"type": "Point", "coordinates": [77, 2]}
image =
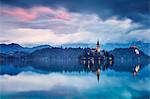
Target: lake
{"type": "Point", "coordinates": [120, 81]}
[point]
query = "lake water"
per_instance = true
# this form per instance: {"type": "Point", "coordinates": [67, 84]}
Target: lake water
{"type": "Point", "coordinates": [28, 82]}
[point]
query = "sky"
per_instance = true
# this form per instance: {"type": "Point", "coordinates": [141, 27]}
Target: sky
{"type": "Point", "coordinates": [57, 22]}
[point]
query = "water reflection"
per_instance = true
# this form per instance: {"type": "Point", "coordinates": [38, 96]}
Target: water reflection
{"type": "Point", "coordinates": [30, 82]}
{"type": "Point", "coordinates": [14, 68]}
{"type": "Point", "coordinates": [131, 67]}
{"type": "Point", "coordinates": [31, 85]}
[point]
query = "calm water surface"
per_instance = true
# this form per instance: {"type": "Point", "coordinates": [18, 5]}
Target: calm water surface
{"type": "Point", "coordinates": [32, 83]}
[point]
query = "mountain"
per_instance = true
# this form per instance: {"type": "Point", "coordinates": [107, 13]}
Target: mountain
{"type": "Point", "coordinates": [145, 47]}
{"type": "Point", "coordinates": [69, 54]}
{"type": "Point", "coordinates": [39, 47]}
{"type": "Point", "coordinates": [11, 48]}
{"type": "Point", "coordinates": [128, 54]}
{"type": "Point", "coordinates": [77, 45]}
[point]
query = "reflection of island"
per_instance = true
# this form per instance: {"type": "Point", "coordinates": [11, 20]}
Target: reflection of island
{"type": "Point", "coordinates": [74, 59]}
{"type": "Point", "coordinates": [124, 60]}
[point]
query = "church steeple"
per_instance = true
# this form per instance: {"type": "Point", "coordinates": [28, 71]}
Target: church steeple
{"type": "Point", "coordinates": [97, 43]}
{"type": "Point", "coordinates": [98, 46]}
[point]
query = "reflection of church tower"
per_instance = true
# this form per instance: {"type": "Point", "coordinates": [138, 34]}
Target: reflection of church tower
{"type": "Point", "coordinates": [98, 46]}
{"type": "Point", "coordinates": [98, 73]}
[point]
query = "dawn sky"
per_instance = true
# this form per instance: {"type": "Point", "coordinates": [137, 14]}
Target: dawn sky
{"type": "Point", "coordinates": [74, 21]}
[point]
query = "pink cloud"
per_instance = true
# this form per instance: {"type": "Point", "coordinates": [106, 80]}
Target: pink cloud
{"type": "Point", "coordinates": [28, 14]}
{"type": "Point", "coordinates": [64, 16]}
{"type": "Point", "coordinates": [43, 10]}
{"type": "Point", "coordinates": [35, 12]}
{"type": "Point", "coordinates": [21, 13]}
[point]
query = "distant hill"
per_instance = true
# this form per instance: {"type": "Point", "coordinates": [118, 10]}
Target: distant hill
{"type": "Point", "coordinates": [145, 47]}
{"type": "Point", "coordinates": [77, 45]}
{"type": "Point", "coordinates": [13, 47]}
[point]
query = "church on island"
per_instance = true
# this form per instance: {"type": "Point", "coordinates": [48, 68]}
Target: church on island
{"type": "Point", "coordinates": [96, 57]}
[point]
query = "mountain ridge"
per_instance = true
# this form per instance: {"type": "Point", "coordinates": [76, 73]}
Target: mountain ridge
{"type": "Point", "coordinates": [13, 47]}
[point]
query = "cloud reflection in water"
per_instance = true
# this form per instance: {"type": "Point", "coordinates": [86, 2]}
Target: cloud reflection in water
{"type": "Point", "coordinates": [81, 86]}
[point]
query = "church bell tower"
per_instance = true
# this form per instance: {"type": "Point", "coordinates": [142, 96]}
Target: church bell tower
{"type": "Point", "coordinates": [98, 46]}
